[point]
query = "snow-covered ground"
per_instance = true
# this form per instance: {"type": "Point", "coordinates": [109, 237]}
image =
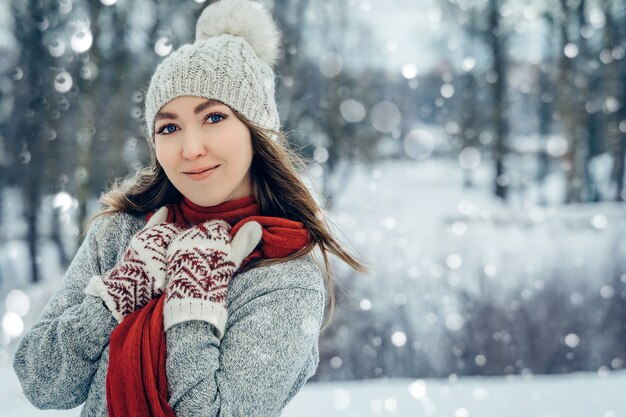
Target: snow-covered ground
{"type": "Point", "coordinates": [571, 395]}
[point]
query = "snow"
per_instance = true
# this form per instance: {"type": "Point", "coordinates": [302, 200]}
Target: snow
{"type": "Point", "coordinates": [570, 395]}
{"type": "Point", "coordinates": [573, 395]}
{"type": "Point", "coordinates": [442, 255]}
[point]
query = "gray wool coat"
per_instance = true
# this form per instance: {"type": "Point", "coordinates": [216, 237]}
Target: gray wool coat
{"type": "Point", "coordinates": [268, 352]}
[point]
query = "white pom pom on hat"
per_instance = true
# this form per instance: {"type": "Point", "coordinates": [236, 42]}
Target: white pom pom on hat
{"type": "Point", "coordinates": [245, 18]}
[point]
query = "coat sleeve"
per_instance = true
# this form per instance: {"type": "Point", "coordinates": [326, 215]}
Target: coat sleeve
{"type": "Point", "coordinates": [267, 353]}
{"type": "Point", "coordinates": [57, 358]}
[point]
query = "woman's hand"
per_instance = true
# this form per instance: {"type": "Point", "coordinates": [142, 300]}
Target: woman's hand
{"type": "Point", "coordinates": [141, 273]}
{"type": "Point", "coordinates": [201, 261]}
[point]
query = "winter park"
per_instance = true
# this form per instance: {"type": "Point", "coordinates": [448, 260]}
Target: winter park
{"type": "Point", "coordinates": [470, 153]}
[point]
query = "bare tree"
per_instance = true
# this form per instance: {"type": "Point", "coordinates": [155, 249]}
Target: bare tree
{"type": "Point", "coordinates": [571, 103]}
{"type": "Point", "coordinates": [547, 98]}
{"type": "Point", "coordinates": [31, 110]}
{"type": "Point", "coordinates": [497, 44]}
{"type": "Point", "coordinates": [613, 40]}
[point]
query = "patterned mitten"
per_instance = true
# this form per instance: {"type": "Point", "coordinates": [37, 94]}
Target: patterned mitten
{"type": "Point", "coordinates": [141, 273]}
{"type": "Point", "coordinates": [200, 264]}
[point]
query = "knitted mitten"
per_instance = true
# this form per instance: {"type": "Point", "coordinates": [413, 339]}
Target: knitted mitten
{"type": "Point", "coordinates": [200, 264]}
{"type": "Point", "coordinates": [141, 273]}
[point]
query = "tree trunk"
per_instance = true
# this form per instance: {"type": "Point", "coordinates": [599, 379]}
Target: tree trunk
{"type": "Point", "coordinates": [546, 108]}
{"type": "Point", "coordinates": [618, 172]}
{"type": "Point", "coordinates": [570, 116]}
{"type": "Point", "coordinates": [30, 112]}
{"type": "Point", "coordinates": [616, 82]}
{"type": "Point", "coordinates": [469, 123]}
{"type": "Point", "coordinates": [495, 42]}
{"type": "Point", "coordinates": [591, 121]}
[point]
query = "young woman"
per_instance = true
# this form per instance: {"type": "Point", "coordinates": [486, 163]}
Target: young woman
{"type": "Point", "coordinates": [194, 292]}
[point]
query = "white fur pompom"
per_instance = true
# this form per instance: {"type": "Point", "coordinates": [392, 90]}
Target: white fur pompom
{"type": "Point", "coordinates": [244, 18]}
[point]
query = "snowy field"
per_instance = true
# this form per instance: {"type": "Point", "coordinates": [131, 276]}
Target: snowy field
{"type": "Point", "coordinates": [573, 395]}
{"type": "Point", "coordinates": [392, 212]}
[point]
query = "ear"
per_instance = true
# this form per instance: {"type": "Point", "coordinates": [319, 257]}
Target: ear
{"type": "Point", "coordinates": [157, 218]}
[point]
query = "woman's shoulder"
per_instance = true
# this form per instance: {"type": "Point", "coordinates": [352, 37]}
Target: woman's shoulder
{"type": "Point", "coordinates": [109, 234]}
{"type": "Point", "coordinates": [301, 273]}
{"type": "Point", "coordinates": [116, 224]}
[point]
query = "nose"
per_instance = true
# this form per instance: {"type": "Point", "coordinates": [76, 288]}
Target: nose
{"type": "Point", "coordinates": [193, 145]}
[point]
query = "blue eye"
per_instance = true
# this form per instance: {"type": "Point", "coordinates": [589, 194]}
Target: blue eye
{"type": "Point", "coordinates": [216, 117]}
{"type": "Point", "coordinates": [167, 129]}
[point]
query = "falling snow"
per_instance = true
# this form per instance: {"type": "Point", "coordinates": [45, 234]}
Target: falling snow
{"type": "Point", "coordinates": [477, 170]}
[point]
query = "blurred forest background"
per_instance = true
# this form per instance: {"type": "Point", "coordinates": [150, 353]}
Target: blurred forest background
{"type": "Point", "coordinates": [528, 90]}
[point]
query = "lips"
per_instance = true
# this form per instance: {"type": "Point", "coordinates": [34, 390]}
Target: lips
{"type": "Point", "coordinates": [200, 170]}
{"type": "Point", "coordinates": [201, 174]}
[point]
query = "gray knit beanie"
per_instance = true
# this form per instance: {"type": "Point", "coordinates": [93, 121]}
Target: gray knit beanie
{"type": "Point", "coordinates": [231, 60]}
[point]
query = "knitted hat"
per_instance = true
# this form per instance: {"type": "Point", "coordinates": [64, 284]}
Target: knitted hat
{"type": "Point", "coordinates": [231, 60]}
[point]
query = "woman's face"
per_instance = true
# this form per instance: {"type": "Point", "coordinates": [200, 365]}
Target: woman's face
{"type": "Point", "coordinates": [195, 134]}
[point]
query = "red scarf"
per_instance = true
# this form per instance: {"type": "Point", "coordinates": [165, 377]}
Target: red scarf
{"type": "Point", "coordinates": [136, 384]}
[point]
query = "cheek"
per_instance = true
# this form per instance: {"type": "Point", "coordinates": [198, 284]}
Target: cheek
{"type": "Point", "coordinates": [244, 145]}
{"type": "Point", "coordinates": [249, 154]}
{"type": "Point", "coordinates": [236, 148]}
{"type": "Point", "coordinates": [164, 157]}
{"type": "Point", "coordinates": [243, 155]}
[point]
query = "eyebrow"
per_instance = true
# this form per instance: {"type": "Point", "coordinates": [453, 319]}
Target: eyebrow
{"type": "Point", "coordinates": [199, 108]}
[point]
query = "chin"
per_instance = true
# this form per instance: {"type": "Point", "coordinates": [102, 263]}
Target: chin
{"type": "Point", "coordinates": [206, 202]}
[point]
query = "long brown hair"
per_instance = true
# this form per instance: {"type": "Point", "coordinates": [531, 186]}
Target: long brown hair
{"type": "Point", "coordinates": [275, 175]}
